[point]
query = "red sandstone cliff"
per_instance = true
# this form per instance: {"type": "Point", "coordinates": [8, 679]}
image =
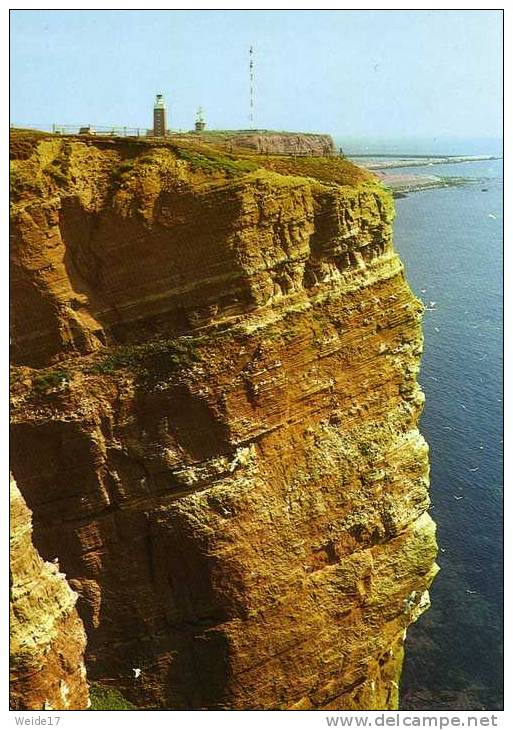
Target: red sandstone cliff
{"type": "Point", "coordinates": [215, 417]}
{"type": "Point", "coordinates": [47, 639]}
{"type": "Point", "coordinates": [271, 143]}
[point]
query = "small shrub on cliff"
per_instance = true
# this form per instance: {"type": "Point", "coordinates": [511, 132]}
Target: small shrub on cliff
{"type": "Point", "coordinates": [50, 380]}
{"type": "Point", "coordinates": [152, 362]}
{"type": "Point", "coordinates": [58, 174]}
{"type": "Point", "coordinates": [159, 360]}
{"type": "Point", "coordinates": [147, 159]}
{"type": "Point", "coordinates": [123, 170]}
{"type": "Point", "coordinates": [125, 166]}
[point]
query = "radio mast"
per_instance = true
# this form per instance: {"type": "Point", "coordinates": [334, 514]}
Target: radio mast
{"type": "Point", "coordinates": [251, 89]}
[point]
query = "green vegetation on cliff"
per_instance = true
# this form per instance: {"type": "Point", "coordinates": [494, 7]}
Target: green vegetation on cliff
{"type": "Point", "coordinates": [107, 698]}
{"type": "Point", "coordinates": [152, 361]}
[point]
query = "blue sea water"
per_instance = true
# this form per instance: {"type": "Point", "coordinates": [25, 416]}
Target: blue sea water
{"type": "Point", "coordinates": [450, 240]}
{"type": "Point", "coordinates": [420, 146]}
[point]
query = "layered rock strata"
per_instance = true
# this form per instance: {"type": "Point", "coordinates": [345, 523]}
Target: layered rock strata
{"type": "Point", "coordinates": [47, 638]}
{"type": "Point", "coordinates": [215, 417]}
{"type": "Point", "coordinates": [271, 143]}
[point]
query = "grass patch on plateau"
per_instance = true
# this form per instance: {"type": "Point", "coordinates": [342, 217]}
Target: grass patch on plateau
{"type": "Point", "coordinates": [325, 169]}
{"type": "Point", "coordinates": [208, 159]}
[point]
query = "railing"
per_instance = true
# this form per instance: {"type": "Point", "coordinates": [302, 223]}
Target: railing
{"type": "Point", "coordinates": [101, 131]}
{"type": "Point", "coordinates": [89, 129]}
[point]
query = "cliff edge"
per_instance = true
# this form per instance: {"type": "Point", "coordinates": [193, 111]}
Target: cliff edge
{"type": "Point", "coordinates": [215, 412]}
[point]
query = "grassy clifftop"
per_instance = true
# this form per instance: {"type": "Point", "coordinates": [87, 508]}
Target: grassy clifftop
{"type": "Point", "coordinates": [205, 157]}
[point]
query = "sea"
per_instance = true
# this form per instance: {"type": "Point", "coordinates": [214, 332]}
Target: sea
{"type": "Point", "coordinates": [451, 242]}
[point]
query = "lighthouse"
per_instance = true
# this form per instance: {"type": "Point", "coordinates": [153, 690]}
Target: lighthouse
{"type": "Point", "coordinates": [159, 117]}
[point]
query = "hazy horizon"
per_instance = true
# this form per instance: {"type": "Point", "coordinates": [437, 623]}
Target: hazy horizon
{"type": "Point", "coordinates": [354, 74]}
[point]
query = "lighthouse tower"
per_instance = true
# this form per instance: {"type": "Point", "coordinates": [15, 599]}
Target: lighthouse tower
{"type": "Point", "coordinates": [159, 117]}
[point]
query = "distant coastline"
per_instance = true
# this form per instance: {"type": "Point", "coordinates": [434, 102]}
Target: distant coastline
{"type": "Point", "coordinates": [386, 161]}
{"type": "Point", "coordinates": [403, 183]}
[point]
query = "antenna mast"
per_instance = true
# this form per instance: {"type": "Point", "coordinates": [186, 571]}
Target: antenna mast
{"type": "Point", "coordinates": [251, 89]}
{"type": "Point", "coordinates": [200, 124]}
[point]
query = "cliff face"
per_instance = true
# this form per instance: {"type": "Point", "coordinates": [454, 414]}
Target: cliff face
{"type": "Point", "coordinates": [271, 143]}
{"type": "Point", "coordinates": [47, 637]}
{"type": "Point", "coordinates": [215, 420]}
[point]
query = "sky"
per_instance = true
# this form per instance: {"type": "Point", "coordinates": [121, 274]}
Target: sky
{"type": "Point", "coordinates": [354, 74]}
